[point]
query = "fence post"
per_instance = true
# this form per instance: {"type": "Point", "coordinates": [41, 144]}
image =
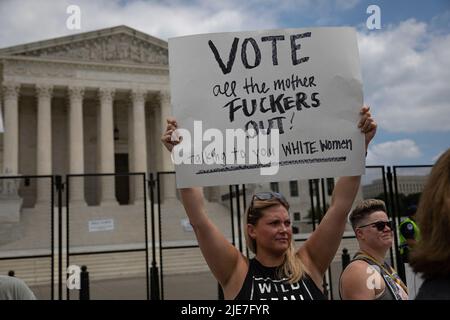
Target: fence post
{"type": "Point", "coordinates": [59, 189]}
{"type": "Point", "coordinates": [154, 282]}
{"type": "Point", "coordinates": [154, 273]}
{"type": "Point", "coordinates": [398, 259]}
{"type": "Point", "coordinates": [84, 283]}
{"type": "Point", "coordinates": [345, 258]}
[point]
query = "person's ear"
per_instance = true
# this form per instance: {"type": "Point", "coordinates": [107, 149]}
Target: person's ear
{"type": "Point", "coordinates": [251, 230]}
{"type": "Point", "coordinates": [359, 234]}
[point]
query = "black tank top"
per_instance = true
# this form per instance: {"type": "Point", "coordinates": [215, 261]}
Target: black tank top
{"type": "Point", "coordinates": [386, 295]}
{"type": "Point", "coordinates": [262, 283]}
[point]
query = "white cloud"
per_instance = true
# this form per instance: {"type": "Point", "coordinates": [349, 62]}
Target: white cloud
{"type": "Point", "coordinates": [27, 21]}
{"type": "Point", "coordinates": [406, 69]}
{"type": "Point", "coordinates": [406, 74]}
{"type": "Point", "coordinates": [393, 152]}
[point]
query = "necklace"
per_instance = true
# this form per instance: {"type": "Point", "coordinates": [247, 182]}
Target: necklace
{"type": "Point", "coordinates": [392, 274]}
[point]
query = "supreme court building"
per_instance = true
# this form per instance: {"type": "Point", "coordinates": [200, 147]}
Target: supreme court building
{"type": "Point", "coordinates": [94, 102]}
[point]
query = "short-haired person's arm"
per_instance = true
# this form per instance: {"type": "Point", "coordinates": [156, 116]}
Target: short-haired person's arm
{"type": "Point", "coordinates": [355, 283]}
{"type": "Point", "coordinates": [222, 257]}
{"type": "Point", "coordinates": [319, 250]}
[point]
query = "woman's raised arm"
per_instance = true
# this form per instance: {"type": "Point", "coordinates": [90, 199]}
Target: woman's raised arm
{"type": "Point", "coordinates": [220, 255]}
{"type": "Point", "coordinates": [319, 250]}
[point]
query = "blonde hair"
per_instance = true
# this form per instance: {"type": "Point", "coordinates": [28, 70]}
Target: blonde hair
{"type": "Point", "coordinates": [292, 267]}
{"type": "Point", "coordinates": [431, 255]}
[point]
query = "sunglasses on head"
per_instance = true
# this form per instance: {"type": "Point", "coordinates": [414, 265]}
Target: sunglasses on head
{"type": "Point", "coordinates": [265, 196]}
{"type": "Point", "coordinates": [380, 225]}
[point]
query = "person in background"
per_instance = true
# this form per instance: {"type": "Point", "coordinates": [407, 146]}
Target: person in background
{"type": "Point", "coordinates": [431, 255]}
{"type": "Point", "coordinates": [369, 276]}
{"type": "Point", "coordinates": [409, 233]}
{"type": "Point", "coordinates": [12, 288]}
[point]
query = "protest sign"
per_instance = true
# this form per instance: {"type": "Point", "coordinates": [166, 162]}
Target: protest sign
{"type": "Point", "coordinates": [268, 105]}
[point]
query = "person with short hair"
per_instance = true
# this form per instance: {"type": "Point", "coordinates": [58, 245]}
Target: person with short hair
{"type": "Point", "coordinates": [369, 276]}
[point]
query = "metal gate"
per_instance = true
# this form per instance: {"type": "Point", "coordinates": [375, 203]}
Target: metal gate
{"type": "Point", "coordinates": [64, 233]}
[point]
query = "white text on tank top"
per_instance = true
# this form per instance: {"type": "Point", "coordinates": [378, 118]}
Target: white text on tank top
{"type": "Point", "coordinates": [270, 289]}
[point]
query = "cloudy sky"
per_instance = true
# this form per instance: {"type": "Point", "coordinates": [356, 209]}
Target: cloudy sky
{"type": "Point", "coordinates": [405, 64]}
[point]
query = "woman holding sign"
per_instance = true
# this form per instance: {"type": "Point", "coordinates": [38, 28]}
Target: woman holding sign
{"type": "Point", "coordinates": [278, 271]}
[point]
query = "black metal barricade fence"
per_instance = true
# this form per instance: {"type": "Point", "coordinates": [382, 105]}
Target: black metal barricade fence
{"type": "Point", "coordinates": [164, 246]}
{"type": "Point", "coordinates": [388, 184]}
{"type": "Point", "coordinates": [21, 245]}
{"type": "Point", "coordinates": [127, 227]}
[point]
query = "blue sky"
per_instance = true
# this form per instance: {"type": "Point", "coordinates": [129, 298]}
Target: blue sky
{"type": "Point", "coordinates": [405, 64]}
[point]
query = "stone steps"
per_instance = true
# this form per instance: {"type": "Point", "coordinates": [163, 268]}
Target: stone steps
{"type": "Point", "coordinates": [124, 265]}
{"type": "Point", "coordinates": [107, 266]}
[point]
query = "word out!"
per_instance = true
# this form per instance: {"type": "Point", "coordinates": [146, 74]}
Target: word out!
{"type": "Point", "coordinates": [251, 45]}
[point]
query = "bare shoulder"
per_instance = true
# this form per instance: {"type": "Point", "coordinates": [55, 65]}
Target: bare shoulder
{"type": "Point", "coordinates": [356, 266]}
{"type": "Point", "coordinates": [357, 270]}
{"type": "Point", "coordinates": [354, 281]}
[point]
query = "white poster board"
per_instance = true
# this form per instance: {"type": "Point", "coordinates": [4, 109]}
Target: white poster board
{"type": "Point", "coordinates": [306, 83]}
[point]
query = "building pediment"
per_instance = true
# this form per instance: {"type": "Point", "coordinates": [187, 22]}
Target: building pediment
{"type": "Point", "coordinates": [114, 45]}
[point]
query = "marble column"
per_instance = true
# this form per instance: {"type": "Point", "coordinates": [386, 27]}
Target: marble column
{"type": "Point", "coordinates": [168, 181]}
{"type": "Point", "coordinates": [11, 127]}
{"type": "Point", "coordinates": [76, 145]}
{"type": "Point", "coordinates": [130, 145]}
{"type": "Point", "coordinates": [106, 141]}
{"type": "Point", "coordinates": [44, 142]}
{"type": "Point", "coordinates": [139, 142]}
